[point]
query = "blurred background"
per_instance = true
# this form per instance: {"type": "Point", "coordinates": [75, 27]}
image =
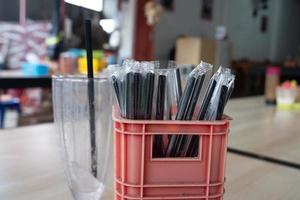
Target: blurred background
{"type": "Point", "coordinates": [258, 39]}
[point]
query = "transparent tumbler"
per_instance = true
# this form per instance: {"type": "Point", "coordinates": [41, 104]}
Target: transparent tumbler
{"type": "Point", "coordinates": [72, 117]}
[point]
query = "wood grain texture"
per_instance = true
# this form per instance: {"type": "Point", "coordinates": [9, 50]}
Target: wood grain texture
{"type": "Point", "coordinates": [249, 179]}
{"type": "Point", "coordinates": [30, 166]}
{"type": "Point", "coordinates": [264, 130]}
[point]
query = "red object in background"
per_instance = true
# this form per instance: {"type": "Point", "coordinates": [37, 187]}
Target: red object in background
{"type": "Point", "coordinates": [286, 85]}
{"type": "Point", "coordinates": [30, 98]}
{"type": "Point", "coordinates": [143, 46]}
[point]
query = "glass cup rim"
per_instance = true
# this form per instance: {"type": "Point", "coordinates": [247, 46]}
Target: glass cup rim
{"type": "Point", "coordinates": [62, 77]}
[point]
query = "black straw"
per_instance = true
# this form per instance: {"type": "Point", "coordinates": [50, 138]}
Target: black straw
{"type": "Point", "coordinates": [194, 97]}
{"type": "Point", "coordinates": [158, 146]}
{"type": "Point", "coordinates": [178, 87]}
{"type": "Point", "coordinates": [230, 90]}
{"type": "Point", "coordinates": [222, 102]}
{"type": "Point", "coordinates": [129, 95]}
{"type": "Point", "coordinates": [117, 90]}
{"type": "Point", "coordinates": [160, 101]}
{"type": "Point", "coordinates": [89, 49]}
{"type": "Point", "coordinates": [148, 95]}
{"type": "Point", "coordinates": [185, 143]}
{"type": "Point", "coordinates": [207, 98]}
{"type": "Point", "coordinates": [137, 85]}
{"type": "Point", "coordinates": [172, 148]}
{"type": "Point", "coordinates": [91, 95]}
{"type": "Point", "coordinates": [183, 104]}
{"type": "Point", "coordinates": [122, 95]}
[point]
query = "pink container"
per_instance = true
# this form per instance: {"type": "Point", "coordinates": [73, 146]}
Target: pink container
{"type": "Point", "coordinates": [140, 176]}
{"type": "Point", "coordinates": [273, 70]}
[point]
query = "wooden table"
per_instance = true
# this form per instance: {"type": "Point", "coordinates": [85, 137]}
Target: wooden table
{"type": "Point", "coordinates": [30, 166]}
{"type": "Point", "coordinates": [264, 130]}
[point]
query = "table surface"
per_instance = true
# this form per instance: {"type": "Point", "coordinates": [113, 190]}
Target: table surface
{"type": "Point", "coordinates": [30, 166]}
{"type": "Point", "coordinates": [264, 130]}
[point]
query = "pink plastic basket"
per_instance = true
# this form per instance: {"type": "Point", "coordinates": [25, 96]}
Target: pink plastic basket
{"type": "Point", "coordinates": [140, 176]}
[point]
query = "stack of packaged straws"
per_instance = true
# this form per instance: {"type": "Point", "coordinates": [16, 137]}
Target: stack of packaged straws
{"type": "Point", "coordinates": [147, 91]}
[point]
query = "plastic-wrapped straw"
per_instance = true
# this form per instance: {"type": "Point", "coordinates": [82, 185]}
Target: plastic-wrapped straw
{"type": "Point", "coordinates": [158, 146]}
{"type": "Point", "coordinates": [156, 64]}
{"type": "Point", "coordinates": [192, 90]}
{"type": "Point", "coordinates": [183, 104]}
{"type": "Point", "coordinates": [162, 109]}
{"type": "Point", "coordinates": [161, 97]}
{"type": "Point", "coordinates": [230, 90]}
{"type": "Point", "coordinates": [147, 88]}
{"type": "Point", "coordinates": [132, 79]}
{"type": "Point", "coordinates": [220, 95]}
{"type": "Point", "coordinates": [175, 85]}
{"type": "Point", "coordinates": [160, 100]}
{"type": "Point", "coordinates": [117, 89]}
{"type": "Point", "coordinates": [113, 71]}
{"type": "Point", "coordinates": [216, 97]}
{"type": "Point", "coordinates": [169, 98]}
{"type": "Point", "coordinates": [204, 70]}
{"type": "Point", "coordinates": [133, 84]}
{"type": "Point", "coordinates": [147, 91]}
{"type": "Point", "coordinates": [148, 95]}
{"type": "Point", "coordinates": [128, 63]}
{"type": "Point", "coordinates": [187, 105]}
{"type": "Point", "coordinates": [208, 95]}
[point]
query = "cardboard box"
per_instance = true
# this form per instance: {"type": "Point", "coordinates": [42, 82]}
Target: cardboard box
{"type": "Point", "coordinates": [191, 50]}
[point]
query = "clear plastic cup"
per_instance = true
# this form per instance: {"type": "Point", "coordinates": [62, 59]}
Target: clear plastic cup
{"type": "Point", "coordinates": [72, 119]}
{"type": "Point", "coordinates": [286, 95]}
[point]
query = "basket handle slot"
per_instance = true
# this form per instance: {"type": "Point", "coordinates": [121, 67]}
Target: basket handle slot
{"type": "Point", "coordinates": [184, 146]}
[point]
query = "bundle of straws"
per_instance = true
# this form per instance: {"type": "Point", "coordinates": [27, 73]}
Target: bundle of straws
{"type": "Point", "coordinates": [144, 90]}
{"type": "Point", "coordinates": [148, 91]}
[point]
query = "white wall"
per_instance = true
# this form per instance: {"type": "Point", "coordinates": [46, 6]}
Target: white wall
{"type": "Point", "coordinates": [244, 30]}
{"type": "Point", "coordinates": [282, 38]}
{"type": "Point", "coordinates": [184, 20]}
{"type": "Point", "coordinates": [127, 20]}
{"type": "Point", "coordinates": [286, 37]}
{"type": "Point", "coordinates": [235, 14]}
{"type": "Point", "coordinates": [110, 8]}
{"type": "Point", "coordinates": [247, 41]}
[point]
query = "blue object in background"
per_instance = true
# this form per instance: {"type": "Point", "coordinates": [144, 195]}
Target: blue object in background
{"type": "Point", "coordinates": [2, 65]}
{"type": "Point", "coordinates": [75, 52]}
{"type": "Point", "coordinates": [10, 104]}
{"type": "Point", "coordinates": [34, 69]}
{"type": "Point", "coordinates": [111, 60]}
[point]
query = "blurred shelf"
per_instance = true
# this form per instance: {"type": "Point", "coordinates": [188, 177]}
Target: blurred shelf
{"type": "Point", "coordinates": [25, 82]}
{"type": "Point", "coordinates": [250, 78]}
{"type": "Point", "coordinates": [36, 118]}
{"type": "Point", "coordinates": [285, 71]}
{"type": "Point", "coordinates": [15, 79]}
